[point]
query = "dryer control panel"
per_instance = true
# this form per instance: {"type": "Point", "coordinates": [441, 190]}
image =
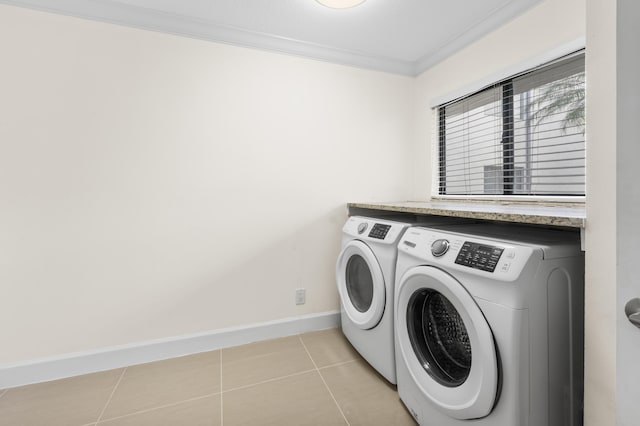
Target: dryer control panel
{"type": "Point", "coordinates": [372, 230]}
{"type": "Point", "coordinates": [479, 256]}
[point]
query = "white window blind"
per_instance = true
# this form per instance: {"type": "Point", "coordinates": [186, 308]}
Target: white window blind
{"type": "Point", "coordinates": [521, 136]}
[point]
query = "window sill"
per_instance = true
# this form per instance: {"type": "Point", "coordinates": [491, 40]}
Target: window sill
{"type": "Point", "coordinates": [561, 215]}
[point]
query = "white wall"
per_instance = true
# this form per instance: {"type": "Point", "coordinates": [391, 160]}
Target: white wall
{"type": "Point", "coordinates": [600, 256]}
{"type": "Point", "coordinates": [155, 186]}
{"type": "Point", "coordinates": [613, 205]}
{"type": "Point", "coordinates": [546, 27]}
{"type": "Point", "coordinates": [627, 153]}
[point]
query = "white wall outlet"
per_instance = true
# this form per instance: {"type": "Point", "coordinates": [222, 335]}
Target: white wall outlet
{"type": "Point", "coordinates": [301, 296]}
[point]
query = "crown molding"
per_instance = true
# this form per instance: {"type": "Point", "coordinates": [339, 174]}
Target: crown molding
{"type": "Point", "coordinates": [115, 12]}
{"type": "Point", "coordinates": [149, 19]}
{"type": "Point", "coordinates": [499, 16]}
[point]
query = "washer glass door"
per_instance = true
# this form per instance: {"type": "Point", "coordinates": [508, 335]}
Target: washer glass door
{"type": "Point", "coordinates": [439, 337]}
{"type": "Point", "coordinates": [360, 284]}
{"type": "Point", "coordinates": [446, 343]}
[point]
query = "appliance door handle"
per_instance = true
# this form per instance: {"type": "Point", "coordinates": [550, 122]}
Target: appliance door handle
{"type": "Point", "coordinates": [632, 310]}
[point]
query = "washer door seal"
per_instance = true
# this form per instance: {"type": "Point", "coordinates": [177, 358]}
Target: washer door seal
{"type": "Point", "coordinates": [361, 285]}
{"type": "Point", "coordinates": [446, 343]}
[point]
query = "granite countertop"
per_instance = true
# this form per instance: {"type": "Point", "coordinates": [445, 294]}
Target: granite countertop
{"type": "Point", "coordinates": [566, 215]}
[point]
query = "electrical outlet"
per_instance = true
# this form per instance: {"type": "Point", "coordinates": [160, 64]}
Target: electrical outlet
{"type": "Point", "coordinates": [301, 296]}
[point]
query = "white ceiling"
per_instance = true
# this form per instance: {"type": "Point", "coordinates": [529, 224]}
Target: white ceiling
{"type": "Point", "coordinates": [398, 36]}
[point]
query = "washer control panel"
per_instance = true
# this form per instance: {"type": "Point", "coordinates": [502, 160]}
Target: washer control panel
{"type": "Point", "coordinates": [479, 256]}
{"type": "Point", "coordinates": [453, 250]}
{"type": "Point", "coordinates": [379, 231]}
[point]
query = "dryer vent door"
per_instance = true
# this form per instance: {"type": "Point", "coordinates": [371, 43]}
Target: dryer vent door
{"type": "Point", "coordinates": [361, 285]}
{"type": "Point", "coordinates": [446, 343]}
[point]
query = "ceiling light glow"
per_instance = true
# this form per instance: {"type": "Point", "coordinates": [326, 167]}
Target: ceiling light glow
{"type": "Point", "coordinates": [340, 4]}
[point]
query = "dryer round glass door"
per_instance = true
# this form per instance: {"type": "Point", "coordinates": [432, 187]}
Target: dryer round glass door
{"type": "Point", "coordinates": [360, 284]}
{"type": "Point", "coordinates": [446, 343]}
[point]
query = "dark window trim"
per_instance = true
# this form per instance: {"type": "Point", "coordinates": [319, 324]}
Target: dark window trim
{"type": "Point", "coordinates": [508, 140]}
{"type": "Point", "coordinates": [442, 150]}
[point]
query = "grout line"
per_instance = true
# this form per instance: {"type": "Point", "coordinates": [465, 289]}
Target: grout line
{"type": "Point", "coordinates": [3, 393]}
{"type": "Point", "coordinates": [337, 364]}
{"type": "Point", "coordinates": [299, 373]}
{"type": "Point", "coordinates": [221, 394]}
{"type": "Point", "coordinates": [111, 396]}
{"type": "Point", "coordinates": [161, 407]}
{"type": "Point", "coordinates": [325, 382]}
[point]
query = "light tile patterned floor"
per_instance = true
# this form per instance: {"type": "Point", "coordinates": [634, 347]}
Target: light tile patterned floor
{"type": "Point", "coordinates": [310, 379]}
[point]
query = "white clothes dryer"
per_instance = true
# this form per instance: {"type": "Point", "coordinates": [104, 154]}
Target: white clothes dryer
{"type": "Point", "coordinates": [365, 276]}
{"type": "Point", "coordinates": [489, 326]}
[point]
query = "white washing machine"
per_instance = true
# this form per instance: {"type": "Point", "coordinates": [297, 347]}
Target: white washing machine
{"type": "Point", "coordinates": [365, 275]}
{"type": "Point", "coordinates": [489, 326]}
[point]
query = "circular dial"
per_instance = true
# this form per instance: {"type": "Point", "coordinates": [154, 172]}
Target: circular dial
{"type": "Point", "coordinates": [362, 227]}
{"type": "Point", "coordinates": [439, 247]}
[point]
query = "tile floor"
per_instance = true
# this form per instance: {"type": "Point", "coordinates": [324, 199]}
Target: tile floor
{"type": "Point", "coordinates": [309, 379]}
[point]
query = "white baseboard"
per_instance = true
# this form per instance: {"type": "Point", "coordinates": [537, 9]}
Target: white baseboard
{"type": "Point", "coordinates": [75, 364]}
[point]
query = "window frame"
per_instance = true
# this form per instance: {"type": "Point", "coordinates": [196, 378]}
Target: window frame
{"type": "Point", "coordinates": [508, 114]}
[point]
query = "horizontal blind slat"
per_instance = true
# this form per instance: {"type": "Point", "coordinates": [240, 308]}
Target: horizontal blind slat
{"type": "Point", "coordinates": [534, 136]}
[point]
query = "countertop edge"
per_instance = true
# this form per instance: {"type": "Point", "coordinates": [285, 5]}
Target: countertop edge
{"type": "Point", "coordinates": [539, 214]}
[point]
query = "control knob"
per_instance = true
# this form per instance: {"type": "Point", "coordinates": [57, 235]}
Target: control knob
{"type": "Point", "coordinates": [439, 247]}
{"type": "Point", "coordinates": [362, 227]}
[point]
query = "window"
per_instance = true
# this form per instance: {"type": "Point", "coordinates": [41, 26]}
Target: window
{"type": "Point", "coordinates": [521, 136]}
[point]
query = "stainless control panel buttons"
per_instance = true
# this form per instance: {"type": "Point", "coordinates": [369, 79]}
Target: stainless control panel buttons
{"type": "Point", "coordinates": [481, 256]}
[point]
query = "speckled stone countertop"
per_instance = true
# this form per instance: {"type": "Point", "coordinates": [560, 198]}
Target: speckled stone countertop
{"type": "Point", "coordinates": [572, 216]}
